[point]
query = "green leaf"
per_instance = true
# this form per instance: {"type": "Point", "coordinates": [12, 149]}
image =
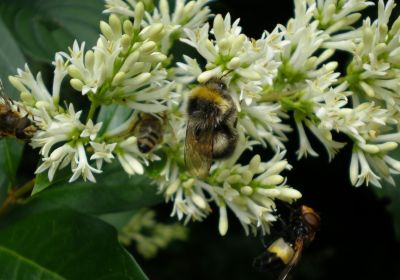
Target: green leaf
{"type": "Point", "coordinates": [63, 244]}
{"type": "Point", "coordinates": [392, 193]}
{"type": "Point", "coordinates": [112, 116]}
{"type": "Point", "coordinates": [114, 191]}
{"type": "Point", "coordinates": [10, 151]}
{"type": "Point", "coordinates": [42, 180]}
{"type": "Point", "coordinates": [43, 27]}
{"type": "Point", "coordinates": [118, 220]}
{"type": "Point", "coordinates": [10, 59]}
{"type": "Point", "coordinates": [4, 183]}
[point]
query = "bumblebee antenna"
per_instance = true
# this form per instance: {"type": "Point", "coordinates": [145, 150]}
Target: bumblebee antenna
{"type": "Point", "coordinates": [229, 71]}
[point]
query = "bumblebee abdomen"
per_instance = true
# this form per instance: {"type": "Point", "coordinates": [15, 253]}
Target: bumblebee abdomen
{"type": "Point", "coordinates": [224, 142]}
{"type": "Point", "coordinates": [149, 135]}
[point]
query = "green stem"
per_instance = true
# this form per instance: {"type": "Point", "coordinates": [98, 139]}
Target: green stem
{"type": "Point", "coordinates": [15, 195]}
{"type": "Point", "coordinates": [92, 110]}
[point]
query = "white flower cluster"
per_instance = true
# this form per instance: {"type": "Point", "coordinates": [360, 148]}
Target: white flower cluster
{"type": "Point", "coordinates": [301, 80]}
{"type": "Point", "coordinates": [319, 97]}
{"type": "Point", "coordinates": [149, 235]}
{"type": "Point", "coordinates": [188, 15]}
{"type": "Point", "coordinates": [248, 190]}
{"type": "Point", "coordinates": [126, 67]}
{"type": "Point", "coordinates": [288, 71]}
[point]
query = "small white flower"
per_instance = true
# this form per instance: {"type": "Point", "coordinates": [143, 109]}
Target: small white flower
{"type": "Point", "coordinates": [62, 128]}
{"type": "Point", "coordinates": [58, 159]}
{"type": "Point", "coordinates": [91, 130]}
{"type": "Point", "coordinates": [127, 154]}
{"type": "Point", "coordinates": [360, 170]}
{"type": "Point", "coordinates": [81, 167]}
{"type": "Point", "coordinates": [102, 152]}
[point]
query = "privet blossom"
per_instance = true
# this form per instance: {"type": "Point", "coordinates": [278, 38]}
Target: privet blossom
{"type": "Point", "coordinates": [287, 71]}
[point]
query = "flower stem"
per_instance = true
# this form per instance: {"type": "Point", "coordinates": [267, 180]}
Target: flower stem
{"type": "Point", "coordinates": [16, 194]}
{"type": "Point", "coordinates": [92, 110]}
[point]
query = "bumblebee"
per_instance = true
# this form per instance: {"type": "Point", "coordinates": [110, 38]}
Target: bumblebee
{"type": "Point", "coordinates": [149, 131]}
{"type": "Point", "coordinates": [211, 126]}
{"type": "Point", "coordinates": [286, 250]}
{"type": "Point", "coordinates": [11, 121]}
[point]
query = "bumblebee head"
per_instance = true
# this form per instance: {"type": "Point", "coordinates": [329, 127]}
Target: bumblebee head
{"type": "Point", "coordinates": [216, 84]}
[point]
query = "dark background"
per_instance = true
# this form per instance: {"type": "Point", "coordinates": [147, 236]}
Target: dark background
{"type": "Point", "coordinates": [356, 239]}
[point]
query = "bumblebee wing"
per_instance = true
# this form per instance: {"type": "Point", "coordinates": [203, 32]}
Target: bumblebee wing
{"type": "Point", "coordinates": [6, 99]}
{"type": "Point", "coordinates": [199, 148]}
{"type": "Point", "coordinates": [298, 250]}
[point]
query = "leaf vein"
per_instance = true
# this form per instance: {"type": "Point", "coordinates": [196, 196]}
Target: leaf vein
{"type": "Point", "coordinates": [21, 258]}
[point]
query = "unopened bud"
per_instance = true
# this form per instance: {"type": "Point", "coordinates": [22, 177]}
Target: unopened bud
{"type": "Point", "coordinates": [76, 84]}
{"type": "Point", "coordinates": [106, 30]}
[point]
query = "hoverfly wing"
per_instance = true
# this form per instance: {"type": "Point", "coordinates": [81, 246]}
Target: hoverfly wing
{"type": "Point", "coordinates": [299, 245]}
{"type": "Point", "coordinates": [198, 148]}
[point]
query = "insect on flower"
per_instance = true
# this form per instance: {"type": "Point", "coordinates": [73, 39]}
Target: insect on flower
{"type": "Point", "coordinates": [286, 250]}
{"type": "Point", "coordinates": [11, 121]}
{"type": "Point", "coordinates": [149, 131]}
{"type": "Point", "coordinates": [211, 127]}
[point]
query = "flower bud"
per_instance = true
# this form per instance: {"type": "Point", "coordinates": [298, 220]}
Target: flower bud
{"type": "Point", "coordinates": [249, 74]}
{"type": "Point", "coordinates": [17, 83]}
{"type": "Point", "coordinates": [387, 147]}
{"type": "Point", "coordinates": [354, 169]}
{"type": "Point", "coordinates": [278, 167]}
{"type": "Point", "coordinates": [43, 104]}
{"type": "Point", "coordinates": [247, 176]}
{"type": "Point", "coordinates": [125, 43]}
{"type": "Point", "coordinates": [223, 220]}
{"type": "Point", "coordinates": [370, 148]}
{"type": "Point", "coordinates": [147, 47]}
{"type": "Point", "coordinates": [237, 44]}
{"type": "Point", "coordinates": [76, 84]}
{"type": "Point", "coordinates": [234, 179]}
{"type": "Point", "coordinates": [128, 27]}
{"type": "Point", "coordinates": [246, 190]}
{"type": "Point", "coordinates": [139, 13]}
{"type": "Point", "coordinates": [172, 188]}
{"type": "Point", "coordinates": [74, 72]}
{"type": "Point", "coordinates": [89, 60]}
{"type": "Point", "coordinates": [289, 193]}
{"type": "Point", "coordinates": [156, 57]}
{"type": "Point", "coordinates": [234, 63]}
{"type": "Point", "coordinates": [255, 164]}
{"type": "Point", "coordinates": [268, 192]}
{"type": "Point", "coordinates": [140, 79]}
{"type": "Point", "coordinates": [223, 175]}
{"type": "Point", "coordinates": [224, 46]}
{"type": "Point", "coordinates": [331, 66]}
{"type": "Point", "coordinates": [205, 76]}
{"type": "Point", "coordinates": [152, 31]}
{"type": "Point", "coordinates": [106, 30]}
{"type": "Point", "coordinates": [188, 184]}
{"type": "Point", "coordinates": [118, 78]}
{"type": "Point", "coordinates": [367, 89]}
{"type": "Point", "coordinates": [129, 61]}
{"type": "Point", "coordinates": [199, 201]}
{"type": "Point", "coordinates": [273, 180]}
{"type": "Point", "coordinates": [115, 24]}
{"type": "Point", "coordinates": [189, 7]}
{"type": "Point", "coordinates": [219, 27]}
{"type": "Point", "coordinates": [164, 7]}
{"type": "Point", "coordinates": [27, 98]}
